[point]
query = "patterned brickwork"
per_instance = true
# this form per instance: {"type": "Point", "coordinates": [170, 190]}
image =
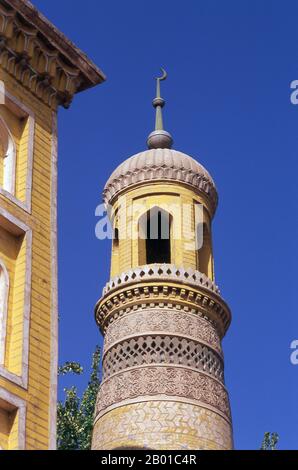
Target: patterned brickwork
{"type": "Point", "coordinates": [162, 425]}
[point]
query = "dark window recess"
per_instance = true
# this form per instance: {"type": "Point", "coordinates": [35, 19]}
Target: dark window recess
{"type": "Point", "coordinates": [158, 243]}
{"type": "Point", "coordinates": [116, 237]}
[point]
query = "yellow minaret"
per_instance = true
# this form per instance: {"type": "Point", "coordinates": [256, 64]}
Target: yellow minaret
{"type": "Point", "coordinates": [161, 314]}
{"type": "Point", "coordinates": [40, 69]}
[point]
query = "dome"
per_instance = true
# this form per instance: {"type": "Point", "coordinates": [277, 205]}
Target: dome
{"type": "Point", "coordinates": [160, 165]}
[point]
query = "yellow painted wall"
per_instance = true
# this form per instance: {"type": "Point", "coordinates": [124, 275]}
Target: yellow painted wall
{"type": "Point", "coordinates": [179, 201]}
{"type": "Point", "coordinates": [13, 250]}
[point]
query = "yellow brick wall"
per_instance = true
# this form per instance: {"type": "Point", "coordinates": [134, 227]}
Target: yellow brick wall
{"type": "Point", "coordinates": [180, 202]}
{"type": "Point", "coordinates": [14, 345]}
{"type": "Point", "coordinates": [162, 425]}
{"type": "Point", "coordinates": [37, 396]}
{"type": "Point", "coordinates": [22, 162]}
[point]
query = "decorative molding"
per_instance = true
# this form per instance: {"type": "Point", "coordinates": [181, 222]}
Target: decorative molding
{"type": "Point", "coordinates": [162, 321]}
{"type": "Point", "coordinates": [163, 380]}
{"type": "Point", "coordinates": [41, 57]}
{"type": "Point", "coordinates": [161, 165]}
{"type": "Point", "coordinates": [196, 297]}
{"type": "Point", "coordinates": [164, 272]}
{"type": "Point", "coordinates": [20, 405]}
{"type": "Point", "coordinates": [15, 226]}
{"type": "Point", "coordinates": [162, 349]}
{"type": "Point", "coordinates": [54, 291]}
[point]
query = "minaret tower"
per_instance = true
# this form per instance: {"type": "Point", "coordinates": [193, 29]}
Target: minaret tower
{"type": "Point", "coordinates": [161, 314]}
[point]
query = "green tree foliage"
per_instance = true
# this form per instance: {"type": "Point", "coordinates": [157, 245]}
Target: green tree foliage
{"type": "Point", "coordinates": [270, 441]}
{"type": "Point", "coordinates": [73, 367]}
{"type": "Point", "coordinates": [75, 414]}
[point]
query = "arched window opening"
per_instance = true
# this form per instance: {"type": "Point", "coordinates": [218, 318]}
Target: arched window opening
{"type": "Point", "coordinates": [114, 218]}
{"type": "Point", "coordinates": [116, 238]}
{"type": "Point", "coordinates": [7, 159]}
{"type": "Point", "coordinates": [155, 237]}
{"type": "Point", "coordinates": [4, 290]}
{"type": "Point", "coordinates": [204, 259]}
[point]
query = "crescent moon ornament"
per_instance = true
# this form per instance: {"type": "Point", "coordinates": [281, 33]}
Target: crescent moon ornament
{"type": "Point", "coordinates": [164, 75]}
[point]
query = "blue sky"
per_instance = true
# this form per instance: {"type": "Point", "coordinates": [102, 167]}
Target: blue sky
{"type": "Point", "coordinates": [230, 65]}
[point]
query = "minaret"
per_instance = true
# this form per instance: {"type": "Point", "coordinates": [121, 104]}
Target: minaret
{"type": "Point", "coordinates": [161, 314]}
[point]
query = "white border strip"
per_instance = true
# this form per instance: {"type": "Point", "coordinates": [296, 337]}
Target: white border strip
{"type": "Point", "coordinates": [54, 291]}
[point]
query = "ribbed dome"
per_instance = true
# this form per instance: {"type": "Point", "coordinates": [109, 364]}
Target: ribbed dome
{"type": "Point", "coordinates": [160, 165]}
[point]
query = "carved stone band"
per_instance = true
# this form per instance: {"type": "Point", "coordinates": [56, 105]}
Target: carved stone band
{"type": "Point", "coordinates": [163, 380]}
{"type": "Point", "coordinates": [167, 320]}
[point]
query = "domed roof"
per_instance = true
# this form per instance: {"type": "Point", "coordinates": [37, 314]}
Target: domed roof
{"type": "Point", "coordinates": [160, 165]}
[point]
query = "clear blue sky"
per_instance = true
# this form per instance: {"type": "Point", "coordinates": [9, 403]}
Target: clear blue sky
{"type": "Point", "coordinates": [230, 65]}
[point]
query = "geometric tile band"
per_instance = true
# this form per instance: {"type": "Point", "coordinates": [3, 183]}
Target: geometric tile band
{"type": "Point", "coordinates": [163, 380]}
{"type": "Point", "coordinates": [161, 350]}
{"type": "Point", "coordinates": [162, 425]}
{"type": "Point", "coordinates": [170, 321]}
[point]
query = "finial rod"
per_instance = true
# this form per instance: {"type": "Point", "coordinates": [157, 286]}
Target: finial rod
{"type": "Point", "coordinates": [159, 102]}
{"type": "Point", "coordinates": [159, 138]}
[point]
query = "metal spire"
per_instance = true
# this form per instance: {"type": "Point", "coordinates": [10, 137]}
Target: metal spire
{"type": "Point", "coordinates": [159, 138]}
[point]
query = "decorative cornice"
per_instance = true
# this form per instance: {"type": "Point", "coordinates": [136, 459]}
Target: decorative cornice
{"type": "Point", "coordinates": [41, 57]}
{"type": "Point", "coordinates": [183, 292]}
{"type": "Point", "coordinates": [161, 165]}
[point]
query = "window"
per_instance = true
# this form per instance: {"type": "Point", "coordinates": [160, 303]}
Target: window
{"type": "Point", "coordinates": [116, 238]}
{"type": "Point", "coordinates": [154, 237]}
{"type": "Point", "coordinates": [17, 127]}
{"type": "Point", "coordinates": [4, 289]}
{"type": "Point", "coordinates": [8, 424]}
{"type": "Point", "coordinates": [204, 260]}
{"type": "Point", "coordinates": [12, 421]}
{"type": "Point", "coordinates": [7, 159]}
{"type": "Point", "coordinates": [115, 244]}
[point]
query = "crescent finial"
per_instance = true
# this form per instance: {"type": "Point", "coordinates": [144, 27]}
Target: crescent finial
{"type": "Point", "coordinates": [164, 75]}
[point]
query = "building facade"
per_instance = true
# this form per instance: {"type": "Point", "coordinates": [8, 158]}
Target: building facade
{"type": "Point", "coordinates": [161, 313]}
{"type": "Point", "coordinates": [40, 69]}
